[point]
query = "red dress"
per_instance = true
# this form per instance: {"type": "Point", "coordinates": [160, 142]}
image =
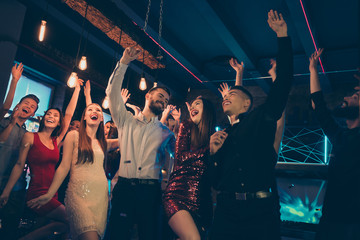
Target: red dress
{"type": "Point", "coordinates": [188, 188]}
{"type": "Point", "coordinates": [42, 162]}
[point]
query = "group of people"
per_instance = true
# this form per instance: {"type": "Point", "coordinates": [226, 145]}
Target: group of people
{"type": "Point", "coordinates": [238, 161]}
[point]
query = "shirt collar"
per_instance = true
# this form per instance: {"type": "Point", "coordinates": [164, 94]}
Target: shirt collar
{"type": "Point", "coordinates": [9, 119]}
{"type": "Point", "coordinates": [240, 117]}
{"type": "Point", "coordinates": [141, 117]}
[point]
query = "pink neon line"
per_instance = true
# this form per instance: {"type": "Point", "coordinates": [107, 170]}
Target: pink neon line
{"type": "Point", "coordinates": [192, 74]}
{"type": "Point", "coordinates": [312, 37]}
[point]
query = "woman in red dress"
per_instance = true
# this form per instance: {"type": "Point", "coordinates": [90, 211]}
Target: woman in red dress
{"type": "Point", "coordinates": [41, 152]}
{"type": "Point", "coordinates": [187, 198]}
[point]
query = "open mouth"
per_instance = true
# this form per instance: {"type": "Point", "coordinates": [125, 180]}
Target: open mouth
{"type": "Point", "coordinates": [225, 103]}
{"type": "Point", "coordinates": [194, 113]}
{"type": "Point", "coordinates": [94, 117]}
{"type": "Point", "coordinates": [50, 121]}
{"type": "Point", "coordinates": [25, 111]}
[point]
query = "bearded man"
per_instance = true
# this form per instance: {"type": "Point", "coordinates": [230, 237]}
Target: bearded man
{"type": "Point", "coordinates": [136, 197]}
{"type": "Point", "coordinates": [341, 209]}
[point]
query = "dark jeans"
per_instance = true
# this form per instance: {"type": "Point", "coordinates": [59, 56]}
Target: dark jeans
{"type": "Point", "coordinates": [135, 203]}
{"type": "Point", "coordinates": [11, 213]}
{"type": "Point", "coordinates": [246, 219]}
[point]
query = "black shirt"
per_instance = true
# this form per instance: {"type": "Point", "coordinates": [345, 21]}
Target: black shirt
{"type": "Point", "coordinates": [341, 203]}
{"type": "Point", "coordinates": [246, 161]}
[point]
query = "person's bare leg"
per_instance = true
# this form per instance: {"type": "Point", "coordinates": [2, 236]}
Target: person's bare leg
{"type": "Point", "coordinates": [60, 225]}
{"type": "Point", "coordinates": [92, 235]}
{"type": "Point", "coordinates": [184, 226]}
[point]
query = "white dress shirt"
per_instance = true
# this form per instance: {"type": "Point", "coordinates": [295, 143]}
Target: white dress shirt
{"type": "Point", "coordinates": [142, 143]}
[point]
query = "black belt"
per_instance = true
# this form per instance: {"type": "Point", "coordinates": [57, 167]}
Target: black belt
{"type": "Point", "coordinates": [247, 195]}
{"type": "Point", "coordinates": [137, 181]}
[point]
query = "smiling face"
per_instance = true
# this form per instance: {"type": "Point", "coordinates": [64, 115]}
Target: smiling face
{"type": "Point", "coordinates": [235, 102]}
{"type": "Point", "coordinates": [74, 125]}
{"type": "Point", "coordinates": [52, 118]}
{"type": "Point", "coordinates": [27, 108]}
{"type": "Point", "coordinates": [157, 100]}
{"type": "Point", "coordinates": [93, 115]}
{"type": "Point", "coordinates": [107, 129]}
{"type": "Point", "coordinates": [196, 111]}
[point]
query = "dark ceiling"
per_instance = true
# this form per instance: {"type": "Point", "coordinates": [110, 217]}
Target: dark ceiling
{"type": "Point", "coordinates": [198, 36]}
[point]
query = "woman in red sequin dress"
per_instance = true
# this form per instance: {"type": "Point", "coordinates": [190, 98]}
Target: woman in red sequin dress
{"type": "Point", "coordinates": [187, 198]}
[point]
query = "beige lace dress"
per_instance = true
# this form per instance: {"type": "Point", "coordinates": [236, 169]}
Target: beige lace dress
{"type": "Point", "coordinates": [86, 198]}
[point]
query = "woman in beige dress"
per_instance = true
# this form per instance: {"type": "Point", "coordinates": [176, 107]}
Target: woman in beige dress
{"type": "Point", "coordinates": [87, 194]}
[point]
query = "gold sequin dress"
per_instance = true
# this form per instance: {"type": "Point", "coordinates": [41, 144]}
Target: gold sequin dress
{"type": "Point", "coordinates": [86, 198]}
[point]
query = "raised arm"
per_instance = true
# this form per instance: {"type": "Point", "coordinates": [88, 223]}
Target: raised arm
{"type": "Point", "coordinates": [239, 68]}
{"type": "Point", "coordinates": [87, 93]}
{"type": "Point", "coordinates": [18, 169]}
{"type": "Point", "coordinates": [314, 75]}
{"type": "Point", "coordinates": [165, 114]}
{"type": "Point", "coordinates": [16, 72]}
{"type": "Point", "coordinates": [278, 95]}
{"type": "Point", "coordinates": [61, 171]}
{"type": "Point", "coordinates": [70, 109]}
{"type": "Point", "coordinates": [116, 103]}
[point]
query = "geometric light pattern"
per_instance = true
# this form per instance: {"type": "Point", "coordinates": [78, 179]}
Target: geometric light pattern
{"type": "Point", "coordinates": [304, 145]}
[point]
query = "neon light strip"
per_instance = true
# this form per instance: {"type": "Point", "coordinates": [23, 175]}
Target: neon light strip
{"type": "Point", "coordinates": [312, 37]}
{"type": "Point", "coordinates": [192, 74]}
{"type": "Point", "coordinates": [326, 151]}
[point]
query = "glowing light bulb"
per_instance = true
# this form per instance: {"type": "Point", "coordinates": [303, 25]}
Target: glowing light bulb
{"type": "Point", "coordinates": [142, 84]}
{"type": "Point", "coordinates": [42, 30]}
{"type": "Point", "coordinates": [83, 63]}
{"type": "Point", "coordinates": [72, 80]}
{"type": "Point", "coordinates": [155, 84]}
{"type": "Point", "coordinates": [105, 103]}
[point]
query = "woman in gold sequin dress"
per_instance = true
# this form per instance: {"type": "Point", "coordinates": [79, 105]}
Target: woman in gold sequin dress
{"type": "Point", "coordinates": [187, 198]}
{"type": "Point", "coordinates": [86, 198]}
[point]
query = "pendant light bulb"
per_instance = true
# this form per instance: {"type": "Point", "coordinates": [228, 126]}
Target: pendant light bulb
{"type": "Point", "coordinates": [155, 84]}
{"type": "Point", "coordinates": [105, 103]}
{"type": "Point", "coordinates": [72, 80]}
{"type": "Point", "coordinates": [42, 30]}
{"type": "Point", "coordinates": [142, 84]}
{"type": "Point", "coordinates": [83, 63]}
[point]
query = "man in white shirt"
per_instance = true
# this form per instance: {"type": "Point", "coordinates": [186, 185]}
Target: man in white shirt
{"type": "Point", "coordinates": [136, 197]}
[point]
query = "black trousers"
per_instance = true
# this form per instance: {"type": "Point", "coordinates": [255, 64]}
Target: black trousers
{"type": "Point", "coordinates": [11, 213]}
{"type": "Point", "coordinates": [255, 219]}
{"type": "Point", "coordinates": [135, 203]}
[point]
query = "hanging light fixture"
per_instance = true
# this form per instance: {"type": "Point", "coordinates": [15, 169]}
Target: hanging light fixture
{"type": "Point", "coordinates": [83, 63]}
{"type": "Point", "coordinates": [105, 103]}
{"type": "Point", "coordinates": [72, 80]}
{"type": "Point", "coordinates": [42, 30]}
{"type": "Point", "coordinates": [155, 84]}
{"type": "Point", "coordinates": [142, 84]}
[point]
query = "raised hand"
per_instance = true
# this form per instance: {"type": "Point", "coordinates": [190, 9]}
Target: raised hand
{"type": "Point", "coordinates": [79, 83]}
{"type": "Point", "coordinates": [87, 88]}
{"type": "Point", "coordinates": [277, 23]}
{"type": "Point", "coordinates": [130, 54]}
{"type": "Point", "coordinates": [238, 67]}
{"type": "Point", "coordinates": [224, 89]}
{"type": "Point", "coordinates": [314, 59]}
{"type": "Point", "coordinates": [176, 114]}
{"type": "Point", "coordinates": [125, 94]}
{"type": "Point", "coordinates": [217, 140]}
{"type": "Point", "coordinates": [272, 70]}
{"type": "Point", "coordinates": [16, 72]}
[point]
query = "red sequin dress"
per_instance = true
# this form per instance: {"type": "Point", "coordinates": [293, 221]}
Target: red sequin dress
{"type": "Point", "coordinates": [42, 162]}
{"type": "Point", "coordinates": [188, 188]}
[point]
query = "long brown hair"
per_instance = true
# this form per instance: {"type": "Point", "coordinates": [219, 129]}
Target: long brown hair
{"type": "Point", "coordinates": [85, 152]}
{"type": "Point", "coordinates": [200, 134]}
{"type": "Point", "coordinates": [56, 132]}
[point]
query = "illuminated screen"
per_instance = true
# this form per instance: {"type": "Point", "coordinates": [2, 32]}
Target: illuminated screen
{"type": "Point", "coordinates": [301, 200]}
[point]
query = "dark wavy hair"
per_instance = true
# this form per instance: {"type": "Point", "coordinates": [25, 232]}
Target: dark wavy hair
{"type": "Point", "coordinates": [56, 132]}
{"type": "Point", "coordinates": [200, 134]}
{"type": "Point", "coordinates": [85, 152]}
